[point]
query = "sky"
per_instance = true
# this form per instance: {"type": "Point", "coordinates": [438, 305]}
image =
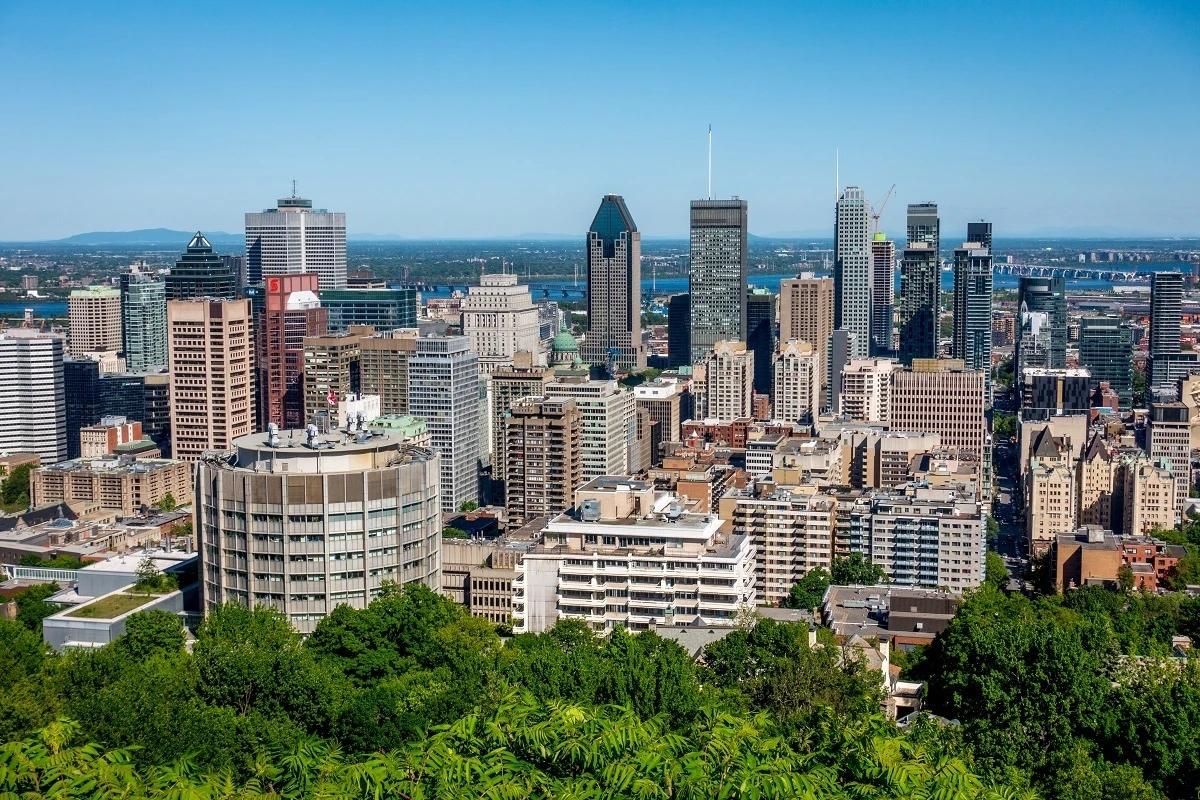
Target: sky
{"type": "Point", "coordinates": [465, 120]}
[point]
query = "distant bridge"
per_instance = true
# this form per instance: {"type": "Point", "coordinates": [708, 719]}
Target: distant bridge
{"type": "Point", "coordinates": [1075, 273]}
{"type": "Point", "coordinates": [539, 290]}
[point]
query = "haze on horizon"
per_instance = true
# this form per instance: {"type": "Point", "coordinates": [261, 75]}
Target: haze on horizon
{"type": "Point", "coordinates": [478, 120]}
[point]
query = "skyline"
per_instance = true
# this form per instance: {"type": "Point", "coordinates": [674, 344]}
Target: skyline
{"type": "Point", "coordinates": [411, 125]}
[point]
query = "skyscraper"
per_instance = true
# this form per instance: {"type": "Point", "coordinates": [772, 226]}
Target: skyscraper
{"type": "Point", "coordinates": [679, 331]}
{"type": "Point", "coordinates": [920, 284]}
{"type": "Point", "coordinates": [973, 306]}
{"type": "Point", "coordinates": [614, 278]}
{"type": "Point", "coordinates": [729, 376]}
{"type": "Point", "coordinates": [292, 313]}
{"type": "Point", "coordinates": [980, 232]}
{"type": "Point", "coordinates": [506, 384]}
{"type": "Point", "coordinates": [924, 226]}
{"type": "Point", "coordinates": [95, 320]}
{"type": "Point", "coordinates": [718, 273]}
{"type": "Point", "coordinates": [760, 335]}
{"type": "Point", "coordinates": [1106, 350]}
{"type": "Point", "coordinates": [609, 423]}
{"type": "Point", "coordinates": [211, 356]}
{"type": "Point", "coordinates": [806, 314]}
{"type": "Point", "coordinates": [294, 237]}
{"type": "Point", "coordinates": [443, 390]}
{"type": "Point", "coordinates": [143, 321]}
{"type": "Point", "coordinates": [1167, 361]}
{"type": "Point", "coordinates": [852, 269]}
{"type": "Point", "coordinates": [883, 293]}
{"type": "Point", "coordinates": [500, 319]}
{"type": "Point", "coordinates": [200, 272]}
{"type": "Point", "coordinates": [796, 393]}
{"type": "Point", "coordinates": [543, 455]}
{"type": "Point", "coordinates": [31, 391]}
{"type": "Point", "coordinates": [1048, 295]}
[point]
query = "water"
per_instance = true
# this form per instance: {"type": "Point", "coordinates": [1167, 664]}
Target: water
{"type": "Point", "coordinates": [43, 308]}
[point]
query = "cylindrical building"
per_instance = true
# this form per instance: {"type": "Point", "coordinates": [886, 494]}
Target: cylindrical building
{"type": "Point", "coordinates": [303, 522]}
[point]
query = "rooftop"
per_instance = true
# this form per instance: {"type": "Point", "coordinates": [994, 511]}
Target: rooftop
{"type": "Point", "coordinates": [112, 465]}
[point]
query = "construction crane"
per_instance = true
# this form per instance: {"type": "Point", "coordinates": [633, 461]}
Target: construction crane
{"type": "Point", "coordinates": [876, 214]}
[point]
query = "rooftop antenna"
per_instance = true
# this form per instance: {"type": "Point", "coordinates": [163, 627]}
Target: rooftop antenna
{"type": "Point", "coordinates": [837, 167]}
{"type": "Point", "coordinates": [710, 162]}
{"type": "Point", "coordinates": [293, 188]}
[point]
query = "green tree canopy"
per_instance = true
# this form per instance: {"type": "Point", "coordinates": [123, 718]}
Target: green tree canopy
{"type": "Point", "coordinates": [857, 569]}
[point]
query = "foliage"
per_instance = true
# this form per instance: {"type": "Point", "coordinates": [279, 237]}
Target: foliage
{"type": "Point", "coordinates": [167, 503]}
{"type": "Point", "coordinates": [58, 562]}
{"type": "Point", "coordinates": [996, 571]}
{"type": "Point", "coordinates": [468, 506]}
{"type": "Point", "coordinates": [1005, 373]}
{"type": "Point", "coordinates": [808, 592]}
{"type": "Point", "coordinates": [148, 633]}
{"type": "Point", "coordinates": [993, 529]}
{"type": "Point", "coordinates": [1004, 426]}
{"type": "Point", "coordinates": [14, 491]}
{"type": "Point", "coordinates": [151, 581]}
{"type": "Point", "coordinates": [454, 533]}
{"type": "Point", "coordinates": [857, 569]}
{"type": "Point", "coordinates": [31, 605]}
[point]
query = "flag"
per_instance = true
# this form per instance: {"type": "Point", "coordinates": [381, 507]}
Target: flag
{"type": "Point", "coordinates": [331, 398]}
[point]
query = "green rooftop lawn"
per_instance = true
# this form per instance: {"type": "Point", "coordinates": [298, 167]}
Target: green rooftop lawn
{"type": "Point", "coordinates": [112, 606]}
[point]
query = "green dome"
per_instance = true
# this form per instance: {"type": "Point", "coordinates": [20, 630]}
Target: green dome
{"type": "Point", "coordinates": [564, 342]}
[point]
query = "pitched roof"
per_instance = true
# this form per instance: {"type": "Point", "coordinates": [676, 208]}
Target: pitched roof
{"type": "Point", "coordinates": [1096, 449]}
{"type": "Point", "coordinates": [1044, 445]}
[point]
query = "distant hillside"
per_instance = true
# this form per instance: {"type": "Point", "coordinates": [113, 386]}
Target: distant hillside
{"type": "Point", "coordinates": [149, 236]}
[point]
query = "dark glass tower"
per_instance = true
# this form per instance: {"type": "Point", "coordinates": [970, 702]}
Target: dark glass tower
{"type": "Point", "coordinates": [1106, 350]}
{"type": "Point", "coordinates": [760, 336]}
{"type": "Point", "coordinates": [980, 233]}
{"type": "Point", "coordinates": [1167, 360]}
{"type": "Point", "coordinates": [81, 385]}
{"type": "Point", "coordinates": [973, 307]}
{"type": "Point", "coordinates": [920, 285]}
{"type": "Point", "coordinates": [614, 278]}
{"type": "Point", "coordinates": [200, 272]}
{"type": "Point", "coordinates": [1048, 295]}
{"type": "Point", "coordinates": [717, 285]}
{"type": "Point", "coordinates": [679, 331]}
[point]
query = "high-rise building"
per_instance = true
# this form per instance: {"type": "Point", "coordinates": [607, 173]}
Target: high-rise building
{"type": "Point", "coordinates": [294, 237]}
{"type": "Point", "coordinates": [143, 321]}
{"type": "Point", "coordinates": [331, 372]}
{"type": "Point", "coordinates": [384, 367]}
{"type": "Point", "coordinates": [1167, 361]}
{"type": "Point", "coordinates": [443, 390]}
{"type": "Point", "coordinates": [980, 232]}
{"type": "Point", "coordinates": [361, 512]}
{"type": "Point", "coordinates": [806, 315]}
{"type": "Point", "coordinates": [852, 269]}
{"type": "Point", "coordinates": [920, 302]}
{"type": "Point", "coordinates": [941, 397]}
{"type": "Point", "coordinates": [1106, 350]}
{"type": "Point", "coordinates": [973, 306]}
{"type": "Point", "coordinates": [1146, 488]}
{"type": "Point", "coordinates": [1050, 490]}
{"type": "Point", "coordinates": [144, 396]}
{"type": "Point", "coordinates": [81, 383]}
{"type": "Point", "coordinates": [614, 278]}
{"type": "Point", "coordinates": [719, 259]}
{"type": "Point", "coordinates": [543, 456]}
{"type": "Point", "coordinates": [760, 336]}
{"type": "Point", "coordinates": [883, 294]}
{"type": "Point", "coordinates": [1168, 441]}
{"type": "Point", "coordinates": [609, 423]}
{"type": "Point", "coordinates": [792, 535]}
{"type": "Point", "coordinates": [929, 538]}
{"type": "Point", "coordinates": [382, 309]}
{"type": "Point", "coordinates": [663, 403]}
{"type": "Point", "coordinates": [500, 319]}
{"type": "Point", "coordinates": [506, 385]}
{"type": "Point", "coordinates": [679, 331]}
{"type": "Point", "coordinates": [211, 355]}
{"type": "Point", "coordinates": [1054, 392]}
{"type": "Point", "coordinates": [1095, 478]}
{"type": "Point", "coordinates": [729, 379]}
{"type": "Point", "coordinates": [923, 225]}
{"type": "Point", "coordinates": [842, 347]}
{"type": "Point", "coordinates": [866, 390]}
{"type": "Point", "coordinates": [95, 320]}
{"type": "Point", "coordinates": [1034, 337]}
{"type": "Point", "coordinates": [236, 264]}
{"type": "Point", "coordinates": [32, 395]}
{"type": "Point", "coordinates": [200, 272]}
{"type": "Point", "coordinates": [292, 312]}
{"type": "Point", "coordinates": [797, 382]}
{"type": "Point", "coordinates": [1048, 295]}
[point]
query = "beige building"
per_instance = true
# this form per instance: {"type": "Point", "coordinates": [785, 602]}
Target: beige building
{"type": "Point", "coordinates": [1096, 476]}
{"type": "Point", "coordinates": [806, 314]}
{"type": "Point", "coordinates": [123, 485]}
{"type": "Point", "coordinates": [1189, 395]}
{"type": "Point", "coordinates": [958, 414]}
{"type": "Point", "coordinates": [94, 316]}
{"type": "Point", "coordinates": [796, 394]}
{"type": "Point", "coordinates": [609, 422]}
{"type": "Point", "coordinates": [663, 401]}
{"type": "Point", "coordinates": [1168, 438]}
{"type": "Point", "coordinates": [729, 382]}
{"type": "Point", "coordinates": [211, 357]}
{"type": "Point", "coordinates": [383, 367]}
{"type": "Point", "coordinates": [792, 535]}
{"type": "Point", "coordinates": [500, 319]}
{"type": "Point", "coordinates": [506, 384]}
{"type": "Point", "coordinates": [329, 362]}
{"type": "Point", "coordinates": [102, 439]}
{"type": "Point", "coordinates": [1050, 502]}
{"type": "Point", "coordinates": [866, 389]}
{"type": "Point", "coordinates": [543, 457]}
{"type": "Point", "coordinates": [479, 576]}
{"type": "Point", "coordinates": [1147, 491]}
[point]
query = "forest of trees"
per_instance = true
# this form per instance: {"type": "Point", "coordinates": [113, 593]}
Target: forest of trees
{"type": "Point", "coordinates": [411, 697]}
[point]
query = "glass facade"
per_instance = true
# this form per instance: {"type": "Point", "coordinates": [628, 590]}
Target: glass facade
{"type": "Point", "coordinates": [200, 272]}
{"type": "Point", "coordinates": [1106, 350]}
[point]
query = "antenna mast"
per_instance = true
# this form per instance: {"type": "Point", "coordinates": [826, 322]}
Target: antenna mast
{"type": "Point", "coordinates": [293, 188]}
{"type": "Point", "coordinates": [710, 162]}
{"type": "Point", "coordinates": [837, 179]}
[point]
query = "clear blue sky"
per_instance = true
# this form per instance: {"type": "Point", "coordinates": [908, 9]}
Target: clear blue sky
{"type": "Point", "coordinates": [484, 119]}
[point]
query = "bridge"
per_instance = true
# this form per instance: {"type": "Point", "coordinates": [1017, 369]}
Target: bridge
{"type": "Point", "coordinates": [1074, 273]}
{"type": "Point", "coordinates": [564, 290]}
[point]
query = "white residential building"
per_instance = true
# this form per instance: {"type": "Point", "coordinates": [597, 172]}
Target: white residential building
{"type": "Point", "coordinates": [729, 382]}
{"type": "Point", "coordinates": [609, 423]}
{"type": "Point", "coordinates": [797, 382]}
{"type": "Point", "coordinates": [929, 538]}
{"type": "Point", "coordinates": [792, 533]}
{"type": "Point", "coordinates": [866, 391]}
{"type": "Point", "coordinates": [628, 555]}
{"type": "Point", "coordinates": [501, 319]}
{"type": "Point", "coordinates": [32, 395]}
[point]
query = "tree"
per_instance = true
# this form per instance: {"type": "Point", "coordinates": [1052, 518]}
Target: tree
{"type": "Point", "coordinates": [454, 533]}
{"type": "Point", "coordinates": [58, 562]}
{"type": "Point", "coordinates": [1125, 579]}
{"type": "Point", "coordinates": [857, 569]}
{"type": "Point", "coordinates": [993, 530]}
{"type": "Point", "coordinates": [468, 506]}
{"type": "Point", "coordinates": [808, 592]}
{"type": "Point", "coordinates": [31, 605]}
{"type": "Point", "coordinates": [1004, 426]}
{"type": "Point", "coordinates": [996, 571]}
{"type": "Point", "coordinates": [151, 632]}
{"type": "Point", "coordinates": [14, 492]}
{"type": "Point", "coordinates": [167, 503]}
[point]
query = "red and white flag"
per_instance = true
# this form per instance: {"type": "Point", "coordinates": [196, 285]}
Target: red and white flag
{"type": "Point", "coordinates": [331, 398]}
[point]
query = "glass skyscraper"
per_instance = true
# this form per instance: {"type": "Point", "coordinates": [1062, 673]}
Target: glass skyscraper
{"type": "Point", "coordinates": [719, 260]}
{"type": "Point", "coordinates": [383, 309]}
{"type": "Point", "coordinates": [973, 307]}
{"type": "Point", "coordinates": [1048, 295]}
{"type": "Point", "coordinates": [200, 272]}
{"type": "Point", "coordinates": [852, 270]}
{"type": "Point", "coordinates": [920, 285]}
{"type": "Point", "coordinates": [143, 321]}
{"type": "Point", "coordinates": [614, 281]}
{"type": "Point", "coordinates": [1106, 350]}
{"type": "Point", "coordinates": [760, 336]}
{"type": "Point", "coordinates": [679, 331]}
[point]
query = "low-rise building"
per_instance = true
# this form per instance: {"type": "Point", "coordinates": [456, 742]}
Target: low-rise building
{"type": "Point", "coordinates": [1095, 556]}
{"type": "Point", "coordinates": [122, 484]}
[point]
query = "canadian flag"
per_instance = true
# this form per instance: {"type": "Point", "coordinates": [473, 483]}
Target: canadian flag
{"type": "Point", "coordinates": [331, 398]}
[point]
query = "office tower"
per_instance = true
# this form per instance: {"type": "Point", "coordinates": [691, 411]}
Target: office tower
{"type": "Point", "coordinates": [973, 306]}
{"type": "Point", "coordinates": [506, 385]}
{"type": "Point", "coordinates": [443, 390]}
{"type": "Point", "coordinates": [381, 309]}
{"type": "Point", "coordinates": [81, 383]}
{"type": "Point", "coordinates": [615, 528]}
{"type": "Point", "coordinates": [384, 367]}
{"type": "Point", "coordinates": [236, 264]}
{"type": "Point", "coordinates": [332, 370]}
{"type": "Point", "coordinates": [806, 314]}
{"type": "Point", "coordinates": [792, 535]}
{"type": "Point", "coordinates": [718, 274]}
{"type": "Point", "coordinates": [797, 382]}
{"type": "Point", "coordinates": [663, 403]}
{"type": "Point", "coordinates": [852, 269]}
{"type": "Point", "coordinates": [981, 233]}
{"type": "Point", "coordinates": [500, 319]}
{"type": "Point", "coordinates": [609, 423]}
{"type": "Point", "coordinates": [679, 331]}
{"type": "Point", "coordinates": [1106, 350]}
{"type": "Point", "coordinates": [728, 381]}
{"type": "Point", "coordinates": [211, 357]}
{"type": "Point", "coordinates": [143, 321]}
{"type": "Point", "coordinates": [294, 237]}
{"type": "Point", "coordinates": [1035, 341]}
{"type": "Point", "coordinates": [144, 396]}
{"type": "Point", "coordinates": [842, 346]}
{"type": "Point", "coordinates": [866, 389]}
{"type": "Point", "coordinates": [292, 312]}
{"type": "Point", "coordinates": [543, 457]}
{"type": "Point", "coordinates": [1049, 296]}
{"type": "Point", "coordinates": [760, 336]}
{"type": "Point", "coordinates": [923, 225]}
{"type": "Point", "coordinates": [362, 511]}
{"type": "Point", "coordinates": [32, 395]}
{"type": "Point", "coordinates": [883, 294]}
{"type": "Point", "coordinates": [1168, 441]}
{"type": "Point", "coordinates": [199, 273]}
{"type": "Point", "coordinates": [95, 320]}
{"type": "Point", "coordinates": [920, 302]}
{"type": "Point", "coordinates": [941, 397]}
{"type": "Point", "coordinates": [614, 278]}
{"type": "Point", "coordinates": [1054, 392]}
{"type": "Point", "coordinates": [1167, 361]}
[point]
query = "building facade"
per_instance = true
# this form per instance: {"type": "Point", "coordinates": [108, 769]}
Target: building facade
{"type": "Point", "coordinates": [760, 337]}
{"type": "Point", "coordinates": [717, 276]}
{"type": "Point", "coordinates": [866, 390]}
{"type": "Point", "coordinates": [506, 385]}
{"type": "Point", "coordinates": [797, 382]}
{"type": "Point", "coordinates": [117, 484]}
{"type": "Point", "coordinates": [1166, 314]}
{"type": "Point", "coordinates": [500, 319]}
{"type": "Point", "coordinates": [973, 306]}
{"type": "Point", "coordinates": [1106, 351]}
{"type": "Point", "coordinates": [792, 534]}
{"type": "Point", "coordinates": [543, 457]}
{"type": "Point", "coordinates": [443, 390]}
{"type": "Point", "coordinates": [95, 321]}
{"type": "Point", "coordinates": [1168, 441]}
{"type": "Point", "coordinates": [1047, 295]}
{"type": "Point", "coordinates": [883, 294]}
{"type": "Point", "coordinates": [381, 309]}
{"type": "Point", "coordinates": [143, 321]}
{"type": "Point", "coordinates": [609, 423]}
{"type": "Point", "coordinates": [292, 312]}
{"type": "Point", "coordinates": [679, 331]}
{"type": "Point", "coordinates": [852, 269]}
{"type": "Point", "coordinates": [806, 315]}
{"type": "Point", "coordinates": [200, 273]}
{"type": "Point", "coordinates": [728, 381]}
{"type": "Point", "coordinates": [614, 278]}
{"type": "Point", "coordinates": [957, 416]}
{"type": "Point", "coordinates": [294, 238]}
{"type": "Point", "coordinates": [32, 393]}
